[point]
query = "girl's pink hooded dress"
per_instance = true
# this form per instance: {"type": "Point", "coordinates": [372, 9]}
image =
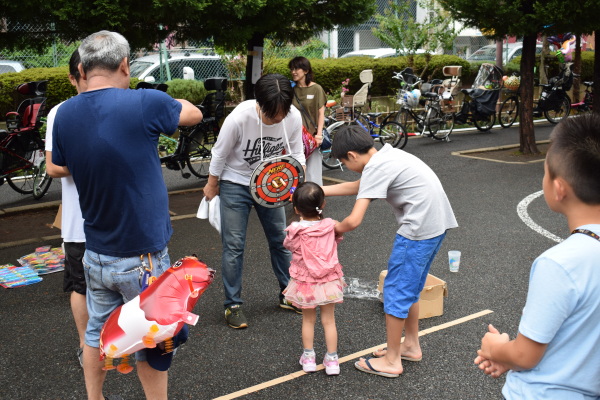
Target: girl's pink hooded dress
{"type": "Point", "coordinates": [316, 273]}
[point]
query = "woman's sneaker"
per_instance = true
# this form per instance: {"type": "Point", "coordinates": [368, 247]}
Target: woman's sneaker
{"type": "Point", "coordinates": [235, 317]}
{"type": "Point", "coordinates": [308, 362]}
{"type": "Point", "coordinates": [332, 365]}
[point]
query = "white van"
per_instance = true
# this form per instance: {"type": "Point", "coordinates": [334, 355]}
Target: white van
{"type": "Point", "coordinates": [203, 65]}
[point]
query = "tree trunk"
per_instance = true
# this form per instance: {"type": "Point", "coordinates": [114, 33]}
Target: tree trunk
{"type": "Point", "coordinates": [499, 53]}
{"type": "Point", "coordinates": [577, 69]}
{"type": "Point", "coordinates": [526, 131]}
{"type": "Point", "coordinates": [257, 40]}
{"type": "Point", "coordinates": [596, 73]}
{"type": "Point", "coordinates": [543, 55]}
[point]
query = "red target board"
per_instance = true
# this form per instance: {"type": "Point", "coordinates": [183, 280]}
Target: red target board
{"type": "Point", "coordinates": [274, 180]}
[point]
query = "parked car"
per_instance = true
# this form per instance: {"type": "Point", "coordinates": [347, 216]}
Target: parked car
{"type": "Point", "coordinates": [10, 66]}
{"type": "Point", "coordinates": [378, 53]}
{"type": "Point", "coordinates": [509, 52]}
{"type": "Point", "coordinates": [148, 68]}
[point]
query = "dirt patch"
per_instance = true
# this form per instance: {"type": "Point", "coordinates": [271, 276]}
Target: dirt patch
{"type": "Point", "coordinates": [508, 154]}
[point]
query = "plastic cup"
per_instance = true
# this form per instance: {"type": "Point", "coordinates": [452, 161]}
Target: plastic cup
{"type": "Point", "coordinates": [454, 260]}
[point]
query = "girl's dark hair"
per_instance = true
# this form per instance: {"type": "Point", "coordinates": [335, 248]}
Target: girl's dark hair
{"type": "Point", "coordinates": [274, 94]}
{"type": "Point", "coordinates": [351, 138]}
{"type": "Point", "coordinates": [574, 155]}
{"type": "Point", "coordinates": [303, 64]}
{"type": "Point", "coordinates": [74, 62]}
{"type": "Point", "coordinates": [308, 199]}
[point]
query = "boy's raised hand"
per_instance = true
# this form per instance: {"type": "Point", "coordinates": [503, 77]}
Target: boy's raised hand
{"type": "Point", "coordinates": [488, 366]}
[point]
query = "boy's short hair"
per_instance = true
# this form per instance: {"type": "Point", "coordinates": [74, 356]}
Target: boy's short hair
{"type": "Point", "coordinates": [274, 94]}
{"type": "Point", "coordinates": [351, 138]}
{"type": "Point", "coordinates": [574, 155]}
{"type": "Point", "coordinates": [74, 62]}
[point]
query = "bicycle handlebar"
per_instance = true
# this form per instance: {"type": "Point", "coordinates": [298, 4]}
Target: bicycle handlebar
{"type": "Point", "coordinates": [402, 79]}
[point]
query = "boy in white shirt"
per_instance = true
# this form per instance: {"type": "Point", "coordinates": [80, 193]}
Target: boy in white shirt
{"type": "Point", "coordinates": [71, 220]}
{"type": "Point", "coordinates": [424, 214]}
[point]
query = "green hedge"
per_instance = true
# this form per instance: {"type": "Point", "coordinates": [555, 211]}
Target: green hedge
{"type": "Point", "coordinates": [60, 88]}
{"type": "Point", "coordinates": [329, 73]}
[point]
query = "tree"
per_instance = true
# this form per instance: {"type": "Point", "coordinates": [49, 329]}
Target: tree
{"type": "Point", "coordinates": [247, 23]}
{"type": "Point", "coordinates": [36, 23]}
{"type": "Point", "coordinates": [234, 25]}
{"type": "Point", "coordinates": [401, 31]}
{"type": "Point", "coordinates": [527, 19]}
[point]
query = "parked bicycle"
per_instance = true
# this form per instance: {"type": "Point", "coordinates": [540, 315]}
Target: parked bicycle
{"type": "Point", "coordinates": [508, 111]}
{"type": "Point", "coordinates": [389, 132]}
{"type": "Point", "coordinates": [22, 156]}
{"type": "Point", "coordinates": [479, 105]}
{"type": "Point", "coordinates": [194, 144]}
{"type": "Point", "coordinates": [554, 102]}
{"type": "Point", "coordinates": [585, 105]}
{"type": "Point", "coordinates": [331, 124]}
{"type": "Point", "coordinates": [432, 120]}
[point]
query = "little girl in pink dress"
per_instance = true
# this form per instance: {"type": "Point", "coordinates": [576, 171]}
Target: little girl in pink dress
{"type": "Point", "coordinates": [316, 277]}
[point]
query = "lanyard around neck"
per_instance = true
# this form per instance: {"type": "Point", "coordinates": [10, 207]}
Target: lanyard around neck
{"type": "Point", "coordinates": [587, 232]}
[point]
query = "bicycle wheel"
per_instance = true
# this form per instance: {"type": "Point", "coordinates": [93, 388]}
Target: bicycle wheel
{"type": "Point", "coordinates": [484, 124]}
{"type": "Point", "coordinates": [509, 111]}
{"type": "Point", "coordinates": [22, 181]}
{"type": "Point", "coordinates": [394, 134]}
{"type": "Point", "coordinates": [199, 155]}
{"type": "Point", "coordinates": [41, 181]}
{"type": "Point", "coordinates": [557, 114]}
{"type": "Point", "coordinates": [441, 124]}
{"type": "Point", "coordinates": [329, 161]}
{"type": "Point", "coordinates": [403, 118]}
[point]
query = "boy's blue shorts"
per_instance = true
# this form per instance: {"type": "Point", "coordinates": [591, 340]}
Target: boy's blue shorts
{"type": "Point", "coordinates": [408, 267]}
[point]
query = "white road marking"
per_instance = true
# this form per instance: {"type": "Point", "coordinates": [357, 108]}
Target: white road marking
{"type": "Point", "coordinates": [524, 215]}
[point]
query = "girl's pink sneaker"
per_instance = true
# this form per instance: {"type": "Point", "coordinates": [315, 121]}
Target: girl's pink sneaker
{"type": "Point", "coordinates": [308, 362]}
{"type": "Point", "coordinates": [332, 365]}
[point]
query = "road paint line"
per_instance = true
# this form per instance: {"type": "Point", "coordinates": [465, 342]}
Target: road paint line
{"type": "Point", "coordinates": [524, 215]}
{"type": "Point", "coordinates": [320, 367]}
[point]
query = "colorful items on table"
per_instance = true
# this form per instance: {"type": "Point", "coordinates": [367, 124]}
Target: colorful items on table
{"type": "Point", "coordinates": [12, 276]}
{"type": "Point", "coordinates": [44, 260]}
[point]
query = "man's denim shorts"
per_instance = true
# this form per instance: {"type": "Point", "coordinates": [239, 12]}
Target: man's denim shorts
{"type": "Point", "coordinates": [408, 267]}
{"type": "Point", "coordinates": [112, 281]}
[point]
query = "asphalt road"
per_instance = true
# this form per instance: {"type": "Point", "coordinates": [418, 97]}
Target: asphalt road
{"type": "Point", "coordinates": [38, 338]}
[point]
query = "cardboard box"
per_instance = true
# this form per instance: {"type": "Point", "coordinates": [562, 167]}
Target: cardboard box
{"type": "Point", "coordinates": [431, 301]}
{"type": "Point", "coordinates": [58, 219]}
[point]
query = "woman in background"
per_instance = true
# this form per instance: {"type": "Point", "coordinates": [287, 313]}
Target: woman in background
{"type": "Point", "coordinates": [310, 99]}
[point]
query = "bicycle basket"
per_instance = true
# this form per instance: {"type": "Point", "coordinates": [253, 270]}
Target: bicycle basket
{"type": "Point", "coordinates": [409, 98]}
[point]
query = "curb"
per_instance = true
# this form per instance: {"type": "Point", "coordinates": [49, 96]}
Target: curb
{"type": "Point", "coordinates": [466, 153]}
{"type": "Point", "coordinates": [30, 207]}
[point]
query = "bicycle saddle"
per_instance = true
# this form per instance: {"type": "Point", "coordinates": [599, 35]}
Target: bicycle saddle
{"type": "Point", "coordinates": [374, 115]}
{"type": "Point", "coordinates": [588, 83]}
{"type": "Point", "coordinates": [430, 95]}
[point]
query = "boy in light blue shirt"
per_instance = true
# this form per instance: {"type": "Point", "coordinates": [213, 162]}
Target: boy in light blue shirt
{"type": "Point", "coordinates": [556, 354]}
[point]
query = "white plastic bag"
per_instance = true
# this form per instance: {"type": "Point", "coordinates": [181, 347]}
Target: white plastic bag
{"type": "Point", "coordinates": [211, 210]}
